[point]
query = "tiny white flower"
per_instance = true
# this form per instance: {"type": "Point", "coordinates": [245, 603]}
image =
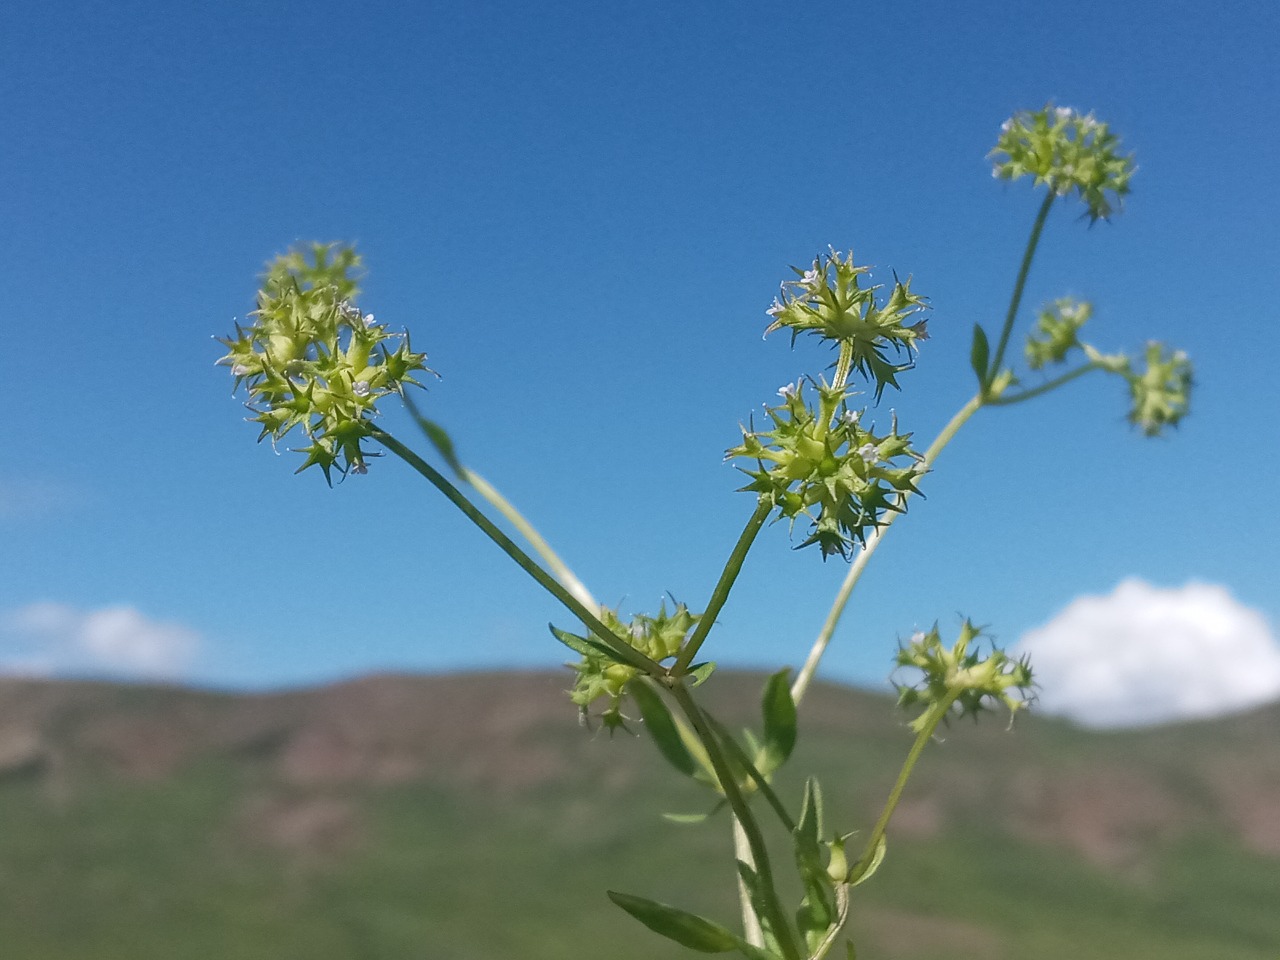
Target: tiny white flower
{"type": "Point", "coordinates": [239, 370]}
{"type": "Point", "coordinates": [918, 637]}
{"type": "Point", "coordinates": [1064, 113]}
{"type": "Point", "coordinates": [850, 417]}
{"type": "Point", "coordinates": [776, 309]}
{"type": "Point", "coordinates": [360, 388]}
{"type": "Point", "coordinates": [869, 452]}
{"type": "Point", "coordinates": [360, 468]}
{"type": "Point", "coordinates": [368, 319]}
{"type": "Point", "coordinates": [810, 277]}
{"type": "Point", "coordinates": [787, 392]}
{"type": "Point", "coordinates": [1006, 126]}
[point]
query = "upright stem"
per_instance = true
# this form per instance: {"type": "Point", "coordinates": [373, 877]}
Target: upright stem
{"type": "Point", "coordinates": [1016, 300]}
{"type": "Point", "coordinates": [745, 818]}
{"type": "Point", "coordinates": [721, 592]}
{"type": "Point", "coordinates": [751, 929]}
{"type": "Point", "coordinates": [805, 677]}
{"type": "Point", "coordinates": [523, 560]}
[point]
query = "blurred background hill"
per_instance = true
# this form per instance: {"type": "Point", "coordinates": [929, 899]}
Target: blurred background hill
{"type": "Point", "coordinates": [470, 817]}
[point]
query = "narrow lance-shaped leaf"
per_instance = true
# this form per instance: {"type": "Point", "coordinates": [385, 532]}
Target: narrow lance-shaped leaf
{"type": "Point", "coordinates": [662, 727]}
{"type": "Point", "coordinates": [686, 929]}
{"type": "Point", "coordinates": [779, 722]}
{"type": "Point", "coordinates": [808, 831]}
{"type": "Point", "coordinates": [979, 353]}
{"type": "Point", "coordinates": [863, 869]}
{"type": "Point", "coordinates": [584, 645]}
{"type": "Point", "coordinates": [437, 435]}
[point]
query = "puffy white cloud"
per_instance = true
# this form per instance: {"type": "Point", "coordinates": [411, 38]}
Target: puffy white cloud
{"type": "Point", "coordinates": [1147, 654]}
{"type": "Point", "coordinates": [53, 638]}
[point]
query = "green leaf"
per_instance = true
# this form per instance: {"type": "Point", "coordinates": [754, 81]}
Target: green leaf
{"type": "Point", "coordinates": [685, 818]}
{"type": "Point", "coordinates": [849, 951]}
{"type": "Point", "coordinates": [662, 727]}
{"type": "Point", "coordinates": [980, 353]}
{"type": "Point", "coordinates": [585, 645]}
{"type": "Point", "coordinates": [808, 832]}
{"type": "Point", "coordinates": [863, 869]}
{"type": "Point", "coordinates": [779, 722]}
{"type": "Point", "coordinates": [436, 434]}
{"type": "Point", "coordinates": [686, 929]}
{"type": "Point", "coordinates": [700, 672]}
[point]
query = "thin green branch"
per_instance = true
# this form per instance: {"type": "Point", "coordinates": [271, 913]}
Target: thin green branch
{"type": "Point", "coordinates": [810, 668]}
{"type": "Point", "coordinates": [938, 712]}
{"type": "Point", "coordinates": [759, 853]}
{"type": "Point", "coordinates": [721, 592]}
{"type": "Point", "coordinates": [1019, 285]}
{"type": "Point", "coordinates": [1006, 399]}
{"type": "Point", "coordinates": [530, 533]}
{"type": "Point", "coordinates": [762, 784]}
{"type": "Point", "coordinates": [523, 560]}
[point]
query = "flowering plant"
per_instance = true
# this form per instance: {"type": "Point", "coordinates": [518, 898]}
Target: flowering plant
{"type": "Point", "coordinates": [312, 361]}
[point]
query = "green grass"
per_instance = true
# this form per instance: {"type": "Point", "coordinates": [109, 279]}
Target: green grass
{"type": "Point", "coordinates": [97, 866]}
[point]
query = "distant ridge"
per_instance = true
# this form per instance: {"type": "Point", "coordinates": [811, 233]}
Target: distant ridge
{"type": "Point", "coordinates": [391, 815]}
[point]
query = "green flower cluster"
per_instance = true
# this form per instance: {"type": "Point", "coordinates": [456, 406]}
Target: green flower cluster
{"type": "Point", "coordinates": [601, 675]}
{"type": "Point", "coordinates": [1057, 329]}
{"type": "Point", "coordinates": [957, 681]}
{"type": "Point", "coordinates": [825, 465]}
{"type": "Point", "coordinates": [828, 301]}
{"type": "Point", "coordinates": [1069, 152]}
{"type": "Point", "coordinates": [1161, 394]}
{"type": "Point", "coordinates": [311, 359]}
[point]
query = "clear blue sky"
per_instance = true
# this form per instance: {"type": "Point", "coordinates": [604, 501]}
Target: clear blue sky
{"type": "Point", "coordinates": [582, 211]}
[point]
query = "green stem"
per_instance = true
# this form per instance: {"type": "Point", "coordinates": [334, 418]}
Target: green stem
{"type": "Point", "coordinates": [938, 712]}
{"type": "Point", "coordinates": [746, 819]}
{"type": "Point", "coordinates": [721, 592]}
{"type": "Point", "coordinates": [1016, 300]}
{"type": "Point", "coordinates": [530, 533]}
{"type": "Point", "coordinates": [751, 929]}
{"type": "Point", "coordinates": [522, 559]}
{"type": "Point", "coordinates": [1007, 399]}
{"type": "Point", "coordinates": [844, 363]}
{"type": "Point", "coordinates": [762, 784]}
{"type": "Point", "coordinates": [805, 677]}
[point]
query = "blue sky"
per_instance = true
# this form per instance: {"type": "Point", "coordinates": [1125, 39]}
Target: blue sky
{"type": "Point", "coordinates": [582, 212]}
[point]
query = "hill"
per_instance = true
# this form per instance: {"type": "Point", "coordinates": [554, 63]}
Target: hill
{"type": "Point", "coordinates": [469, 817]}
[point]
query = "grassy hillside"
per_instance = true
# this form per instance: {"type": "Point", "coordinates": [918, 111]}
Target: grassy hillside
{"type": "Point", "coordinates": [471, 818]}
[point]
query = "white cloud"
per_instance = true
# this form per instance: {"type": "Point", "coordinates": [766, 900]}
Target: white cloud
{"type": "Point", "coordinates": [53, 638]}
{"type": "Point", "coordinates": [1145, 655]}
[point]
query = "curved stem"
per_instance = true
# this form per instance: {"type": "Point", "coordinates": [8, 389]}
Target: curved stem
{"type": "Point", "coordinates": [938, 711]}
{"type": "Point", "coordinates": [1016, 300]}
{"type": "Point", "coordinates": [530, 533]}
{"type": "Point", "coordinates": [1006, 399]}
{"type": "Point", "coordinates": [742, 812]}
{"type": "Point", "coordinates": [523, 560]}
{"type": "Point", "coordinates": [721, 592]}
{"type": "Point", "coordinates": [805, 677]}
